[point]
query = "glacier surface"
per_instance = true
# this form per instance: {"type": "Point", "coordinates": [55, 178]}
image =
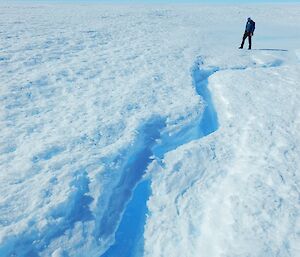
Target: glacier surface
{"type": "Point", "coordinates": [141, 130]}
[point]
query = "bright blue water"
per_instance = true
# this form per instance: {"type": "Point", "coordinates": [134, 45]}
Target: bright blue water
{"type": "Point", "coordinates": [129, 236]}
{"type": "Point", "coordinates": [127, 199]}
{"type": "Point", "coordinates": [209, 121]}
{"type": "Point", "coordinates": [129, 241]}
{"type": "Point", "coordinates": [206, 124]}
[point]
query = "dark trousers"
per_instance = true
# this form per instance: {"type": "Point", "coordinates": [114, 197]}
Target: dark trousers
{"type": "Point", "coordinates": [249, 35]}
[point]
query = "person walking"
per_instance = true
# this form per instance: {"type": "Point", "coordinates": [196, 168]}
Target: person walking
{"type": "Point", "coordinates": [249, 30]}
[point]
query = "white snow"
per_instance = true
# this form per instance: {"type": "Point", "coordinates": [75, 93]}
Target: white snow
{"type": "Point", "coordinates": [235, 193]}
{"type": "Point", "coordinates": [90, 92]}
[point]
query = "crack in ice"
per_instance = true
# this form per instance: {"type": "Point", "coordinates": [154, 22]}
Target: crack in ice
{"type": "Point", "coordinates": [132, 210]}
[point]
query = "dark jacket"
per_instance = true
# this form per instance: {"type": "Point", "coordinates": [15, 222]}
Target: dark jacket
{"type": "Point", "coordinates": [250, 26]}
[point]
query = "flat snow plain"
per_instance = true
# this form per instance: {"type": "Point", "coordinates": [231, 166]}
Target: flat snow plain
{"type": "Point", "coordinates": [97, 99]}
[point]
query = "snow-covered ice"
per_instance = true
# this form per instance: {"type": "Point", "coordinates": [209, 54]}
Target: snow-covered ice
{"type": "Point", "coordinates": [133, 130]}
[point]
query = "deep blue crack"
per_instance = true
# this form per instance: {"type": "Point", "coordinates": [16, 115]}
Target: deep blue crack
{"type": "Point", "coordinates": [132, 173]}
{"type": "Point", "coordinates": [209, 122]}
{"type": "Point", "coordinates": [129, 198]}
{"type": "Point", "coordinates": [129, 239]}
{"type": "Point", "coordinates": [203, 126]}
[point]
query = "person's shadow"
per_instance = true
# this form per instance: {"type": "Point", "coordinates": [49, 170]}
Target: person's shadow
{"type": "Point", "coordinates": [271, 49]}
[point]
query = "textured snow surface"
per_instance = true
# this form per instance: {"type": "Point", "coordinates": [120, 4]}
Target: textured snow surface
{"type": "Point", "coordinates": [95, 97]}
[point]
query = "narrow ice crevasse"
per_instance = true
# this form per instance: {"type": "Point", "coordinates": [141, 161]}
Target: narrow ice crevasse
{"type": "Point", "coordinates": [130, 214]}
{"type": "Point", "coordinates": [121, 197]}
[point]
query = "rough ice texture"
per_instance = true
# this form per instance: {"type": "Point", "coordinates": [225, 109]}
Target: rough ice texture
{"type": "Point", "coordinates": [236, 192]}
{"type": "Point", "coordinates": [87, 90]}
